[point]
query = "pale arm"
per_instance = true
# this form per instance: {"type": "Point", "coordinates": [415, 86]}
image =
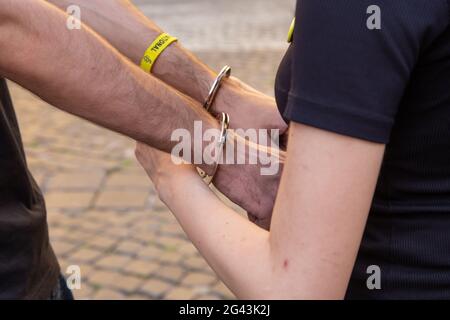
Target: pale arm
{"type": "Point", "coordinates": [319, 217]}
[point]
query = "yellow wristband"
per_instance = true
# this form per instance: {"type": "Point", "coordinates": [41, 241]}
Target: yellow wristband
{"type": "Point", "coordinates": [291, 31]}
{"type": "Point", "coordinates": [155, 49]}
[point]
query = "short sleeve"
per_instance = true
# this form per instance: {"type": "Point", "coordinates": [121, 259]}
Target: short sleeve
{"type": "Point", "coordinates": [352, 61]}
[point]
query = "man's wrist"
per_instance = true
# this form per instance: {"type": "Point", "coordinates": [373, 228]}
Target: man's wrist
{"type": "Point", "coordinates": [229, 96]}
{"type": "Point", "coordinates": [182, 70]}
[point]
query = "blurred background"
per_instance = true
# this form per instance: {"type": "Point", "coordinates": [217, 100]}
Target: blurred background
{"type": "Point", "coordinates": [103, 213]}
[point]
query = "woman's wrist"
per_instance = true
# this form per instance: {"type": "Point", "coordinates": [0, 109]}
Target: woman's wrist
{"type": "Point", "coordinates": [170, 186]}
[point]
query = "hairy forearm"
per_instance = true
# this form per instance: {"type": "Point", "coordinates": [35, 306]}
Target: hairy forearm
{"type": "Point", "coordinates": [128, 30]}
{"type": "Point", "coordinates": [79, 72]}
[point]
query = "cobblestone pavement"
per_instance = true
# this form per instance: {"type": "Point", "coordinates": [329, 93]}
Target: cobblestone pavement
{"type": "Point", "coordinates": [103, 212]}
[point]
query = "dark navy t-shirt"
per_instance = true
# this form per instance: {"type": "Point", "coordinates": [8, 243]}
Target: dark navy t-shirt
{"type": "Point", "coordinates": [387, 85]}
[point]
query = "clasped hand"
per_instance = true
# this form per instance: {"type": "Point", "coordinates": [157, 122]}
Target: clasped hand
{"type": "Point", "coordinates": [247, 184]}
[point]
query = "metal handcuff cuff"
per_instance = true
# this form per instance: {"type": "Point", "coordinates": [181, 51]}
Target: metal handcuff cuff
{"type": "Point", "coordinates": [224, 119]}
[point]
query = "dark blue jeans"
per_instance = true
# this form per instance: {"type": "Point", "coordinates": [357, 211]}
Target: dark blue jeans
{"type": "Point", "coordinates": [61, 291]}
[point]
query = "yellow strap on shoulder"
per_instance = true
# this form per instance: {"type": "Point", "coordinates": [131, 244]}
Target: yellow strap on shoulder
{"type": "Point", "coordinates": [155, 49]}
{"type": "Point", "coordinates": [291, 31]}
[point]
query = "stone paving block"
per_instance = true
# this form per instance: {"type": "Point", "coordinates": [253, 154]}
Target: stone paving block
{"type": "Point", "coordinates": [68, 162]}
{"type": "Point", "coordinates": [145, 237]}
{"type": "Point", "coordinates": [87, 269]}
{"type": "Point", "coordinates": [155, 288]}
{"type": "Point", "coordinates": [188, 250]}
{"type": "Point", "coordinates": [94, 226]}
{"type": "Point", "coordinates": [76, 180]}
{"type": "Point", "coordinates": [129, 247]}
{"type": "Point", "coordinates": [84, 293]}
{"type": "Point", "coordinates": [122, 199]}
{"type": "Point", "coordinates": [126, 283]}
{"type": "Point", "coordinates": [75, 236]}
{"type": "Point", "coordinates": [181, 293]}
{"type": "Point", "coordinates": [160, 209]}
{"type": "Point", "coordinates": [57, 233]}
{"type": "Point", "coordinates": [63, 248]}
{"type": "Point", "coordinates": [116, 232]}
{"type": "Point", "coordinates": [196, 263]}
{"type": "Point", "coordinates": [55, 215]}
{"type": "Point", "coordinates": [112, 261]}
{"type": "Point", "coordinates": [126, 180]}
{"type": "Point", "coordinates": [170, 257]}
{"type": "Point", "coordinates": [83, 255]}
{"type": "Point", "coordinates": [102, 242]}
{"type": "Point", "coordinates": [150, 253]}
{"type": "Point", "coordinates": [141, 268]}
{"type": "Point", "coordinates": [171, 229]}
{"type": "Point", "coordinates": [208, 297]}
{"type": "Point", "coordinates": [137, 297]}
{"type": "Point", "coordinates": [223, 291]}
{"type": "Point", "coordinates": [198, 279]}
{"type": "Point", "coordinates": [67, 264]}
{"type": "Point", "coordinates": [67, 221]}
{"type": "Point", "coordinates": [122, 219]}
{"type": "Point", "coordinates": [146, 227]}
{"type": "Point", "coordinates": [108, 294]}
{"type": "Point", "coordinates": [40, 177]}
{"type": "Point", "coordinates": [68, 200]}
{"type": "Point", "coordinates": [169, 273]}
{"type": "Point", "coordinates": [170, 243]}
{"type": "Point", "coordinates": [103, 278]}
